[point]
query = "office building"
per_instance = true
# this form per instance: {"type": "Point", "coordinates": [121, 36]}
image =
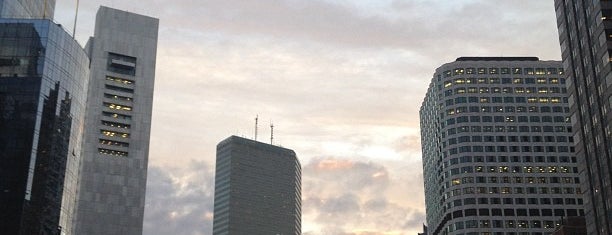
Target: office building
{"type": "Point", "coordinates": [43, 89]}
{"type": "Point", "coordinates": [585, 35]}
{"type": "Point", "coordinates": [27, 9]}
{"type": "Point", "coordinates": [497, 148]}
{"type": "Point", "coordinates": [118, 122]}
{"type": "Point", "coordinates": [257, 189]}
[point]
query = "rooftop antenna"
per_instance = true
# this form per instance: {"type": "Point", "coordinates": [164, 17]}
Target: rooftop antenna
{"type": "Point", "coordinates": [256, 118]}
{"type": "Point", "coordinates": [76, 14]}
{"type": "Point", "coordinates": [271, 133]}
{"type": "Point", "coordinates": [45, 9]}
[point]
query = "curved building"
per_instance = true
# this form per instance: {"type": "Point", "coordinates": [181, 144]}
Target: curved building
{"type": "Point", "coordinates": [497, 148]}
{"type": "Point", "coordinates": [257, 189]}
{"type": "Point", "coordinates": [43, 80]}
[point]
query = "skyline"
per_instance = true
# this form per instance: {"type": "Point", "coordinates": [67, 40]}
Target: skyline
{"type": "Point", "coordinates": [344, 95]}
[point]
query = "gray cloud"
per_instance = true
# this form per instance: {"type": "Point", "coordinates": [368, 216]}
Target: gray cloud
{"type": "Point", "coordinates": [356, 201]}
{"type": "Point", "coordinates": [179, 201]}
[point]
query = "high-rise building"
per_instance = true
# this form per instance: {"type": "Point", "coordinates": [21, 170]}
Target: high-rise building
{"type": "Point", "coordinates": [118, 122]}
{"type": "Point", "coordinates": [43, 81]}
{"type": "Point", "coordinates": [27, 9]}
{"type": "Point", "coordinates": [257, 189]}
{"type": "Point", "coordinates": [497, 147]}
{"type": "Point", "coordinates": [585, 35]}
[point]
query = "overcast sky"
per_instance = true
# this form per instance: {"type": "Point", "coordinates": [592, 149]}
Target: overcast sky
{"type": "Point", "coordinates": [342, 81]}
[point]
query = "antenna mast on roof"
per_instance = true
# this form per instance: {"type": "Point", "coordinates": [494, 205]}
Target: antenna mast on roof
{"type": "Point", "coordinates": [256, 117]}
{"type": "Point", "coordinates": [271, 133]}
{"type": "Point", "coordinates": [76, 14]}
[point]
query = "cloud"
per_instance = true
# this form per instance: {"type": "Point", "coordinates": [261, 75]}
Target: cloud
{"type": "Point", "coordinates": [344, 196]}
{"type": "Point", "coordinates": [179, 199]}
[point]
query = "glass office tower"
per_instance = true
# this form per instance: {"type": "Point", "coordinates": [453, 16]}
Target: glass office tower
{"type": "Point", "coordinates": [43, 81]}
{"type": "Point", "coordinates": [497, 148]}
{"type": "Point", "coordinates": [585, 35]}
{"type": "Point", "coordinates": [257, 189]}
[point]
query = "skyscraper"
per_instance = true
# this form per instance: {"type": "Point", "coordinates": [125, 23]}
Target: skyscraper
{"type": "Point", "coordinates": [257, 189]}
{"type": "Point", "coordinates": [496, 143]}
{"type": "Point", "coordinates": [585, 35]}
{"type": "Point", "coordinates": [27, 9]}
{"type": "Point", "coordinates": [43, 81]}
{"type": "Point", "coordinates": [118, 123]}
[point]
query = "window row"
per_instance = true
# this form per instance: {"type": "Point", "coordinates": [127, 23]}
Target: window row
{"type": "Point", "coordinates": [505, 90]}
{"type": "Point", "coordinates": [114, 133]}
{"type": "Point", "coordinates": [507, 99]}
{"type": "Point", "coordinates": [117, 97]}
{"type": "Point", "coordinates": [512, 139]}
{"type": "Point", "coordinates": [120, 80]}
{"type": "Point", "coordinates": [509, 149]}
{"type": "Point", "coordinates": [523, 224]}
{"type": "Point", "coordinates": [515, 201]}
{"type": "Point", "coordinates": [510, 109]}
{"type": "Point", "coordinates": [116, 125]}
{"type": "Point", "coordinates": [510, 118]}
{"type": "Point", "coordinates": [514, 212]}
{"type": "Point", "coordinates": [517, 180]}
{"type": "Point", "coordinates": [113, 143]}
{"type": "Point", "coordinates": [116, 115]}
{"type": "Point", "coordinates": [504, 70]}
{"type": "Point", "coordinates": [542, 159]}
{"type": "Point", "coordinates": [117, 88]}
{"type": "Point", "coordinates": [479, 128]}
{"type": "Point", "coordinates": [512, 169]}
{"type": "Point", "coordinates": [112, 152]}
{"type": "Point", "coordinates": [117, 106]}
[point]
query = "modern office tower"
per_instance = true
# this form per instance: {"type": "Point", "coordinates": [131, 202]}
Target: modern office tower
{"type": "Point", "coordinates": [27, 9]}
{"type": "Point", "coordinates": [43, 81]}
{"type": "Point", "coordinates": [497, 147]}
{"type": "Point", "coordinates": [257, 189]}
{"type": "Point", "coordinates": [118, 122]}
{"type": "Point", "coordinates": [585, 35]}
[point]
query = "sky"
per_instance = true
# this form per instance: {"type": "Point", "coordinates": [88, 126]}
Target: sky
{"type": "Point", "coordinates": [341, 80]}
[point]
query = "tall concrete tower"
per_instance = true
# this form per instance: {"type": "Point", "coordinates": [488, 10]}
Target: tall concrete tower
{"type": "Point", "coordinates": [257, 189]}
{"type": "Point", "coordinates": [498, 155]}
{"type": "Point", "coordinates": [118, 123]}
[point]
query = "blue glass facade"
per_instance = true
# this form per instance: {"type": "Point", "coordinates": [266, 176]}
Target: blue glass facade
{"type": "Point", "coordinates": [43, 80]}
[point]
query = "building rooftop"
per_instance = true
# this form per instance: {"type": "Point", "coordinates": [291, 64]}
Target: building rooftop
{"type": "Point", "coordinates": [497, 59]}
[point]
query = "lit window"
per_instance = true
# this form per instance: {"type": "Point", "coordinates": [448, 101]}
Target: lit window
{"type": "Point", "coordinates": [119, 80]}
{"type": "Point", "coordinates": [112, 152]}
{"type": "Point", "coordinates": [117, 106]}
{"type": "Point", "coordinates": [114, 134]}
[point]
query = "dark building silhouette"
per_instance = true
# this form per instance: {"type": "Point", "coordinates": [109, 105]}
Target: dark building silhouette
{"type": "Point", "coordinates": [257, 189]}
{"type": "Point", "coordinates": [585, 36]}
{"type": "Point", "coordinates": [571, 226]}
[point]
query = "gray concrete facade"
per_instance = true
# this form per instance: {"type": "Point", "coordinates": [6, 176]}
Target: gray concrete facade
{"type": "Point", "coordinates": [27, 9]}
{"type": "Point", "coordinates": [497, 144]}
{"type": "Point", "coordinates": [257, 189]}
{"type": "Point", "coordinates": [118, 121]}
